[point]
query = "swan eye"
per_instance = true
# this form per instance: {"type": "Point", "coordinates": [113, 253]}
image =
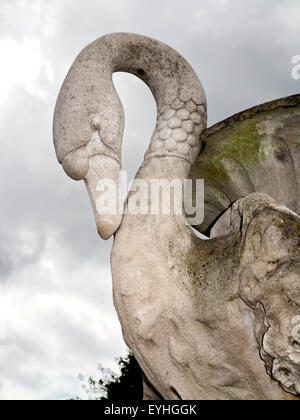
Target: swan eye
{"type": "Point", "coordinates": [141, 72]}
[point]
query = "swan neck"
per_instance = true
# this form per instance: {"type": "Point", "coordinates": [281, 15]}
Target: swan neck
{"type": "Point", "coordinates": [180, 99]}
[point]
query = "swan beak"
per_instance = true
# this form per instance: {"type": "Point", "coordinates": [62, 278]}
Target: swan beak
{"type": "Point", "coordinates": [104, 187]}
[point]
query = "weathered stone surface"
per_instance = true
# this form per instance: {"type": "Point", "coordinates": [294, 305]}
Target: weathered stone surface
{"type": "Point", "coordinates": [199, 327]}
{"type": "Point", "coordinates": [205, 319]}
{"type": "Point", "coordinates": [269, 273]}
{"type": "Point", "coordinates": [256, 150]}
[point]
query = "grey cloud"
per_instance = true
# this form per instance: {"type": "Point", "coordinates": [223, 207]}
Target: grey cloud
{"type": "Point", "coordinates": [17, 250]}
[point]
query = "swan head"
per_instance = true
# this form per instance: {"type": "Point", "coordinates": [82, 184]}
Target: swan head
{"type": "Point", "coordinates": [88, 129]}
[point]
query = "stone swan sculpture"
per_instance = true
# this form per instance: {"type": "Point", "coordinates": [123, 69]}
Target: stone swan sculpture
{"type": "Point", "coordinates": [205, 319]}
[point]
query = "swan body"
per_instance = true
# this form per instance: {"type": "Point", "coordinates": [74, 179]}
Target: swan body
{"type": "Point", "coordinates": [193, 322]}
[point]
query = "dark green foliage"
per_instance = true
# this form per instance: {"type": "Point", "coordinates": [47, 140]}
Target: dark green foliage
{"type": "Point", "coordinates": [127, 385]}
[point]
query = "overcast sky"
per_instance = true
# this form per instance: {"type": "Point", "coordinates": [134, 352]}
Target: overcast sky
{"type": "Point", "coordinates": [56, 313]}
